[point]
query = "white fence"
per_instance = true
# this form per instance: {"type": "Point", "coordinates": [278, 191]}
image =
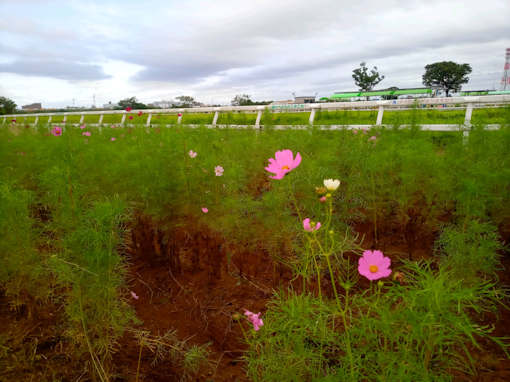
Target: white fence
{"type": "Point", "coordinates": [469, 103]}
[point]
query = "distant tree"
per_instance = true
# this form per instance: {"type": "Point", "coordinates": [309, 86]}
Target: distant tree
{"type": "Point", "coordinates": [390, 96]}
{"type": "Point", "coordinates": [241, 100]}
{"type": "Point", "coordinates": [7, 106]}
{"type": "Point", "coordinates": [186, 101]}
{"type": "Point", "coordinates": [364, 80]}
{"type": "Point", "coordinates": [132, 103]}
{"type": "Point", "coordinates": [245, 100]}
{"type": "Point", "coordinates": [446, 75]}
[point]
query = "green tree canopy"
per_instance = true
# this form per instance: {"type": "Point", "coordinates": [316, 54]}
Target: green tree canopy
{"type": "Point", "coordinates": [365, 80]}
{"type": "Point", "coordinates": [132, 103]}
{"type": "Point", "coordinates": [245, 100]}
{"type": "Point", "coordinates": [241, 100]}
{"type": "Point", "coordinates": [446, 75]}
{"type": "Point", "coordinates": [7, 106]}
{"type": "Point", "coordinates": [186, 101]}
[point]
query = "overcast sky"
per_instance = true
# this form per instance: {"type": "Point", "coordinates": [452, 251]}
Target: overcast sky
{"type": "Point", "coordinates": [56, 51]}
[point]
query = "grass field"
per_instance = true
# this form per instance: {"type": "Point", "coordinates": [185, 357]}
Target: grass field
{"type": "Point", "coordinates": [135, 254]}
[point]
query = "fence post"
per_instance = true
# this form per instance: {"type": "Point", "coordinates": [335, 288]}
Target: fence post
{"type": "Point", "coordinates": [215, 118]}
{"type": "Point", "coordinates": [101, 118]}
{"type": "Point", "coordinates": [467, 123]}
{"type": "Point", "coordinates": [49, 119]}
{"type": "Point", "coordinates": [65, 119]}
{"type": "Point", "coordinates": [5, 118]}
{"type": "Point", "coordinates": [259, 117]}
{"type": "Point", "coordinates": [380, 114]}
{"type": "Point", "coordinates": [312, 116]}
{"type": "Point", "coordinates": [149, 119]}
{"type": "Point", "coordinates": [469, 113]}
{"type": "Point", "coordinates": [36, 120]}
{"type": "Point", "coordinates": [123, 119]}
{"type": "Point", "coordinates": [82, 118]}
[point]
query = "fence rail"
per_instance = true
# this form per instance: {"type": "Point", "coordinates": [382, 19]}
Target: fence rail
{"type": "Point", "coordinates": [469, 103]}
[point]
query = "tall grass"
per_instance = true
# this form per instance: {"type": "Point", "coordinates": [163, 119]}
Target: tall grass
{"type": "Point", "coordinates": [65, 202]}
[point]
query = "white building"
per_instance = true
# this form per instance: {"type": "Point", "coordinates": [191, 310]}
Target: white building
{"type": "Point", "coordinates": [110, 105]}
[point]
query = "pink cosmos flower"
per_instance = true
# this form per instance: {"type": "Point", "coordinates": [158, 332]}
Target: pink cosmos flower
{"type": "Point", "coordinates": [192, 154]}
{"type": "Point", "coordinates": [113, 126]}
{"type": "Point", "coordinates": [130, 117]}
{"type": "Point", "coordinates": [364, 129]}
{"type": "Point", "coordinates": [13, 120]}
{"type": "Point", "coordinates": [179, 114]}
{"type": "Point", "coordinates": [86, 133]}
{"type": "Point", "coordinates": [322, 199]}
{"type": "Point", "coordinates": [218, 170]}
{"type": "Point", "coordinates": [113, 139]}
{"type": "Point", "coordinates": [254, 319]}
{"type": "Point", "coordinates": [129, 108]}
{"type": "Point", "coordinates": [355, 131]}
{"type": "Point", "coordinates": [82, 126]}
{"type": "Point", "coordinates": [56, 131]}
{"type": "Point", "coordinates": [374, 265]}
{"type": "Point", "coordinates": [140, 113]}
{"type": "Point", "coordinates": [283, 163]}
{"type": "Point", "coordinates": [310, 226]}
{"type": "Point", "coordinates": [372, 138]}
{"type": "Point", "coordinates": [205, 210]}
{"type": "Point", "coordinates": [134, 295]}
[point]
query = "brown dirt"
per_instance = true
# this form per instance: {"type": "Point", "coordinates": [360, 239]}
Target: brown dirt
{"type": "Point", "coordinates": [190, 280]}
{"type": "Point", "coordinates": [33, 346]}
{"type": "Point", "coordinates": [186, 281]}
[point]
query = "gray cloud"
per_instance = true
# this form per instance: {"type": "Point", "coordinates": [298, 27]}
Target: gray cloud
{"type": "Point", "coordinates": [265, 47]}
{"type": "Point", "coordinates": [73, 71]}
{"type": "Point", "coordinates": [290, 40]}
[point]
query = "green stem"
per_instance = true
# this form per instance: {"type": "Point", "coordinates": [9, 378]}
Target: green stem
{"type": "Point", "coordinates": [139, 361]}
{"type": "Point", "coordinates": [374, 210]}
{"type": "Point", "coordinates": [348, 343]}
{"type": "Point", "coordinates": [333, 283]}
{"type": "Point", "coordinates": [318, 276]}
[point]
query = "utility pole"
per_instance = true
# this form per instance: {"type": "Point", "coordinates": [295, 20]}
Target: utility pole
{"type": "Point", "coordinates": [505, 80]}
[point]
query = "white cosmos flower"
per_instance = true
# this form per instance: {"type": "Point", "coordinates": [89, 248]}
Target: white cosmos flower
{"type": "Point", "coordinates": [331, 184]}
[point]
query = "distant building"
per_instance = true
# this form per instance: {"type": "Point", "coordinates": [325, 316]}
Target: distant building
{"type": "Point", "coordinates": [304, 99]}
{"type": "Point", "coordinates": [381, 94]}
{"type": "Point", "coordinates": [32, 106]}
{"type": "Point", "coordinates": [162, 104]}
{"type": "Point", "coordinates": [110, 105]}
{"type": "Point", "coordinates": [283, 102]}
{"type": "Point", "coordinates": [295, 101]}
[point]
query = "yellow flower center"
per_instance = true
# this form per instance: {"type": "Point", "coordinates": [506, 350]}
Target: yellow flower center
{"type": "Point", "coordinates": [373, 268]}
{"type": "Point", "coordinates": [285, 168]}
